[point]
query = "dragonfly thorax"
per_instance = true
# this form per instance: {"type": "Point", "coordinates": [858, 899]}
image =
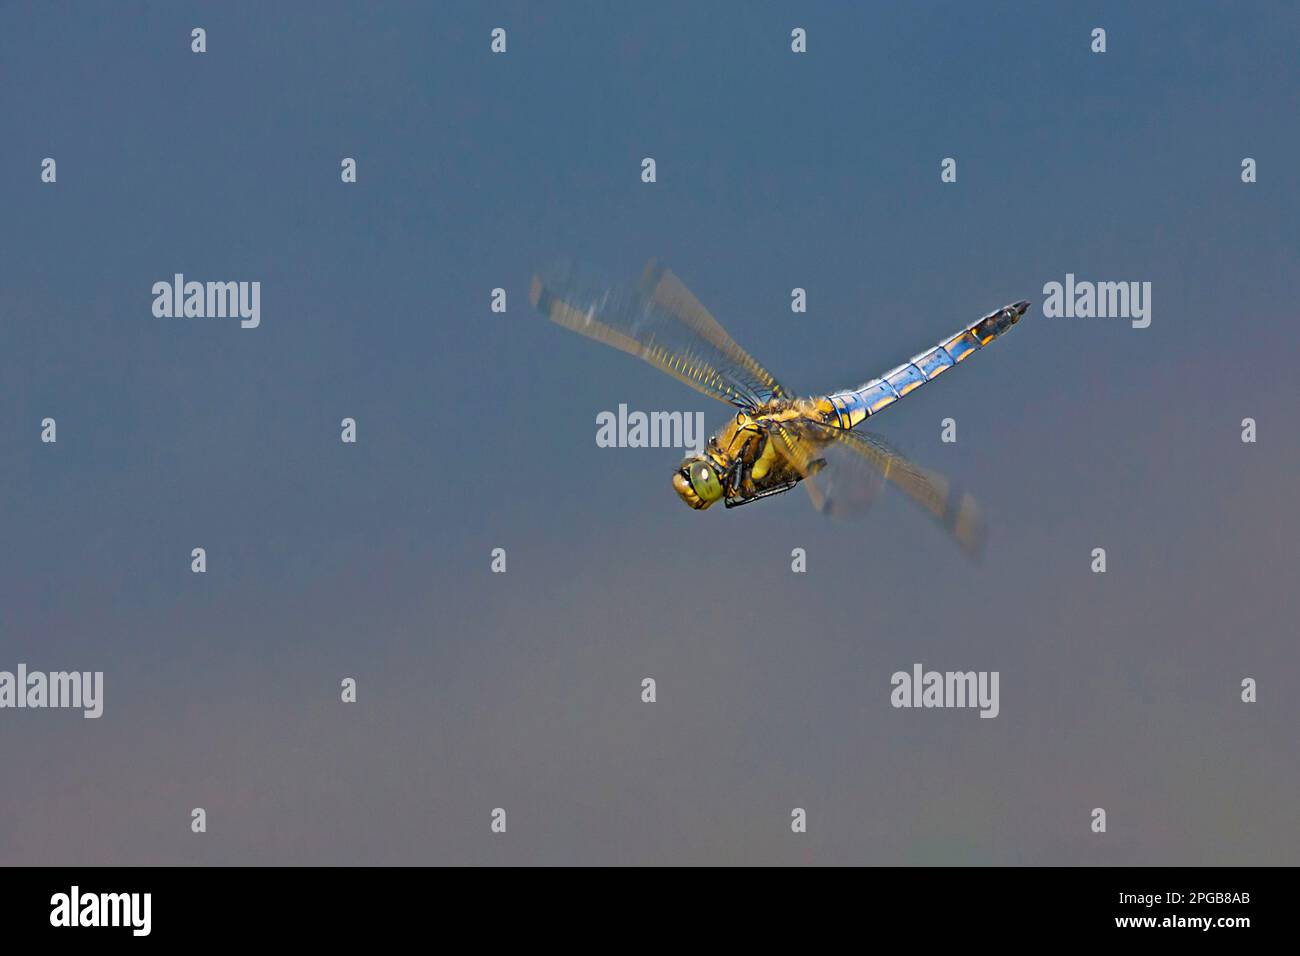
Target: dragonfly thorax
{"type": "Point", "coordinates": [739, 464]}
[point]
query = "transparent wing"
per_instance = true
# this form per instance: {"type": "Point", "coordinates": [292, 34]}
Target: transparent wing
{"type": "Point", "coordinates": [845, 470]}
{"type": "Point", "coordinates": [660, 321]}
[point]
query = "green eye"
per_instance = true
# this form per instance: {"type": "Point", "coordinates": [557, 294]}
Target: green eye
{"type": "Point", "coordinates": [705, 482]}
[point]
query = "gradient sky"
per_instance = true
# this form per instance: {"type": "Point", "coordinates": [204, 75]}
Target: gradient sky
{"type": "Point", "coordinates": [477, 431]}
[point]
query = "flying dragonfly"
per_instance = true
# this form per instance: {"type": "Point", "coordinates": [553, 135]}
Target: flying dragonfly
{"type": "Point", "coordinates": [776, 439]}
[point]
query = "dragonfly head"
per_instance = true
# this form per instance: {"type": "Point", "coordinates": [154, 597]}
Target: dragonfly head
{"type": "Point", "coordinates": [696, 482]}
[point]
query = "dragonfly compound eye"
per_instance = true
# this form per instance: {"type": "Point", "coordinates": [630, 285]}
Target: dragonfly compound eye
{"type": "Point", "coordinates": [705, 483]}
{"type": "Point", "coordinates": [697, 484]}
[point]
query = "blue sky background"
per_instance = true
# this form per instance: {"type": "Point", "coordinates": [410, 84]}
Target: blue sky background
{"type": "Point", "coordinates": [477, 431]}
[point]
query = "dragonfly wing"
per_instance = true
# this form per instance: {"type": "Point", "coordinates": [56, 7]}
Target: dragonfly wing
{"type": "Point", "coordinates": [661, 322]}
{"type": "Point", "coordinates": [845, 470]}
{"type": "Point", "coordinates": [668, 291]}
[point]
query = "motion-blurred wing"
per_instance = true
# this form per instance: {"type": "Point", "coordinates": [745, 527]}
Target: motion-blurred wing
{"type": "Point", "coordinates": [661, 322]}
{"type": "Point", "coordinates": [845, 470]}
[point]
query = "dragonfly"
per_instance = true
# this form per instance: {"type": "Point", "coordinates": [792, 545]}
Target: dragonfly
{"type": "Point", "coordinates": [777, 439]}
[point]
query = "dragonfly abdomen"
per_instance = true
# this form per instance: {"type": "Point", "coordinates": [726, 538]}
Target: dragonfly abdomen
{"type": "Point", "coordinates": [855, 405]}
